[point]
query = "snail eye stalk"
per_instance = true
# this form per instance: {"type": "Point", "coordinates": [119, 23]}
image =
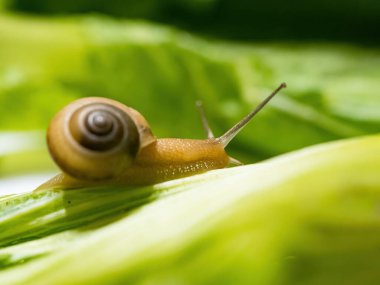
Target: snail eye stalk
{"type": "Point", "coordinates": [231, 133]}
{"type": "Point", "coordinates": [206, 127]}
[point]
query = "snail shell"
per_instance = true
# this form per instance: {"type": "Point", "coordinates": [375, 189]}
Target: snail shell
{"type": "Point", "coordinates": [97, 138]}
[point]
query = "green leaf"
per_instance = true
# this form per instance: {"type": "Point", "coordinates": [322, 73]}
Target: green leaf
{"type": "Point", "coordinates": [156, 69]}
{"type": "Point", "coordinates": [308, 217]}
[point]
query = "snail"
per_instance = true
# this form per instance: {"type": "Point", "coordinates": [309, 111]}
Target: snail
{"type": "Point", "coordinates": [99, 141]}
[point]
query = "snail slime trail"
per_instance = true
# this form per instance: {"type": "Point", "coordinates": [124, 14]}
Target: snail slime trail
{"type": "Point", "coordinates": [99, 141]}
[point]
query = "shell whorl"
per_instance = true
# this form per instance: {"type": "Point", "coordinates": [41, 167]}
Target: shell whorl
{"type": "Point", "coordinates": [101, 127]}
{"type": "Point", "coordinates": [96, 138]}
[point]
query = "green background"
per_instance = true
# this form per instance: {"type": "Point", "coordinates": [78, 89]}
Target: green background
{"type": "Point", "coordinates": [306, 215]}
{"type": "Point", "coordinates": [54, 52]}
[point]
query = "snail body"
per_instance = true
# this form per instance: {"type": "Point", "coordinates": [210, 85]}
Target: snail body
{"type": "Point", "coordinates": [163, 160]}
{"type": "Point", "coordinates": [167, 159]}
{"type": "Point", "coordinates": [99, 141]}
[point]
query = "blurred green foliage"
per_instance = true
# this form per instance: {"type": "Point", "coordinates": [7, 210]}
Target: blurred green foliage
{"type": "Point", "coordinates": [310, 217]}
{"type": "Point", "coordinates": [45, 64]}
{"type": "Point", "coordinates": [23, 152]}
{"type": "Point", "coordinates": [340, 20]}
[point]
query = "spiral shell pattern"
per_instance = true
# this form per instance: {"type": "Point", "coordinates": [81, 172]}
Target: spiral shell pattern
{"type": "Point", "coordinates": [96, 138]}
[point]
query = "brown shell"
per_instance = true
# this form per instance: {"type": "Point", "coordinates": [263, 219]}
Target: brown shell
{"type": "Point", "coordinates": [85, 154]}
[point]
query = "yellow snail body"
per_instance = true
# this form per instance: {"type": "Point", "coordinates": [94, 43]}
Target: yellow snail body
{"type": "Point", "coordinates": [99, 141]}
